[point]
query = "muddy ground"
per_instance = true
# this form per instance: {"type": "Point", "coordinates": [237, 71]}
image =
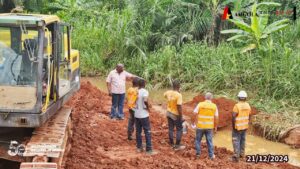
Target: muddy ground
{"type": "Point", "coordinates": [99, 142]}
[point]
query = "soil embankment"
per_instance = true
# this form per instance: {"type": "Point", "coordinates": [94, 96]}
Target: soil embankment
{"type": "Point", "coordinates": [291, 136]}
{"type": "Point", "coordinates": [99, 142]}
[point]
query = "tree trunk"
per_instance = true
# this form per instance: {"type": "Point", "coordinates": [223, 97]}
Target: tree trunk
{"type": "Point", "coordinates": [211, 33]}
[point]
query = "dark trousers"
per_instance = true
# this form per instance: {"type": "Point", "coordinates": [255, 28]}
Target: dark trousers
{"type": "Point", "coordinates": [172, 124]}
{"type": "Point", "coordinates": [140, 124]}
{"type": "Point", "coordinates": [131, 121]}
{"type": "Point", "coordinates": [238, 142]}
{"type": "Point", "coordinates": [208, 135]}
{"type": "Point", "coordinates": [117, 106]}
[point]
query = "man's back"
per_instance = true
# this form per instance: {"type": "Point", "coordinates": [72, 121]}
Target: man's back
{"type": "Point", "coordinates": [141, 111]}
{"type": "Point", "coordinates": [242, 107]}
{"type": "Point", "coordinates": [132, 94]}
{"type": "Point", "coordinates": [206, 106]}
{"type": "Point", "coordinates": [243, 111]}
{"type": "Point", "coordinates": [174, 98]}
{"type": "Point", "coordinates": [206, 112]}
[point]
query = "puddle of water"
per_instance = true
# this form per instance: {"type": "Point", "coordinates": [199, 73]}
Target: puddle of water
{"type": "Point", "coordinates": [258, 145]}
{"type": "Point", "coordinates": [254, 144]}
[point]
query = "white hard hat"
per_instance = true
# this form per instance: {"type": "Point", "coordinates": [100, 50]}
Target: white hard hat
{"type": "Point", "coordinates": [242, 94]}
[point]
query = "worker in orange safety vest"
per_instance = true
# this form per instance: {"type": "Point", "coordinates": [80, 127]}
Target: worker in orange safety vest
{"type": "Point", "coordinates": [240, 122]}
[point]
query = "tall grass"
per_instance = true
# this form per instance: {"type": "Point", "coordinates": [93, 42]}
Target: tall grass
{"type": "Point", "coordinates": [100, 37]}
{"type": "Point", "coordinates": [205, 67]}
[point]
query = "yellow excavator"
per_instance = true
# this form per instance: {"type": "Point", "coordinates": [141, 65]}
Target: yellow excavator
{"type": "Point", "coordinates": [39, 72]}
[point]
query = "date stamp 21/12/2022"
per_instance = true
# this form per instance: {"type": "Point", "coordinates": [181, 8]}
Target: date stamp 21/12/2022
{"type": "Point", "coordinates": [267, 158]}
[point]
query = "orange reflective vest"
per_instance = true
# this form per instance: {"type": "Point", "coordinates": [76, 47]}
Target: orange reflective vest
{"type": "Point", "coordinates": [206, 113]}
{"type": "Point", "coordinates": [243, 111]}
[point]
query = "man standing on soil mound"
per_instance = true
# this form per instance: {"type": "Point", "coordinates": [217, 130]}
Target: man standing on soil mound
{"type": "Point", "coordinates": [240, 121]}
{"type": "Point", "coordinates": [174, 114]}
{"type": "Point", "coordinates": [206, 114]}
{"type": "Point", "coordinates": [142, 119]}
{"type": "Point", "coordinates": [116, 81]}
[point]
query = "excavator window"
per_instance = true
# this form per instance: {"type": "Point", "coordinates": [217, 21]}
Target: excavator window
{"type": "Point", "coordinates": [18, 52]}
{"type": "Point", "coordinates": [64, 64]}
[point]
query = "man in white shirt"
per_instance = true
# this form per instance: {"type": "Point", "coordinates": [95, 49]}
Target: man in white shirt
{"type": "Point", "coordinates": [142, 119]}
{"type": "Point", "coordinates": [116, 85]}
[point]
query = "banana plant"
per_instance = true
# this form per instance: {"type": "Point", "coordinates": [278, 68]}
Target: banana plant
{"type": "Point", "coordinates": [258, 30]}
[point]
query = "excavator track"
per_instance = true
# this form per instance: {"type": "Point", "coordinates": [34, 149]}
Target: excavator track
{"type": "Point", "coordinates": [47, 146]}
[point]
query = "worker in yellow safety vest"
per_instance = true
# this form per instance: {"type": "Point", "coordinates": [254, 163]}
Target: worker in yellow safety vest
{"type": "Point", "coordinates": [132, 94]}
{"type": "Point", "coordinates": [206, 115]}
{"type": "Point", "coordinates": [174, 115]}
{"type": "Point", "coordinates": [240, 122]}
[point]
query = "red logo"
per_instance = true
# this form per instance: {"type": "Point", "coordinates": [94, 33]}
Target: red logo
{"type": "Point", "coordinates": [227, 14]}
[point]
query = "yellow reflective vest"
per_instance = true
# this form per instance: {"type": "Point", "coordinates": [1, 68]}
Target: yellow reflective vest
{"type": "Point", "coordinates": [206, 113]}
{"type": "Point", "coordinates": [243, 111]}
{"type": "Point", "coordinates": [132, 94]}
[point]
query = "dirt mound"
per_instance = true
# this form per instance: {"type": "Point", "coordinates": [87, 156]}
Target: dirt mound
{"type": "Point", "coordinates": [99, 142]}
{"type": "Point", "coordinates": [224, 105]}
{"type": "Point", "coordinates": [291, 136]}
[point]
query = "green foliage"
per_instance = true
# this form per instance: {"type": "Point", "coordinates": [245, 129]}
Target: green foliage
{"type": "Point", "coordinates": [100, 37]}
{"type": "Point", "coordinates": [119, 30]}
{"type": "Point", "coordinates": [258, 30]}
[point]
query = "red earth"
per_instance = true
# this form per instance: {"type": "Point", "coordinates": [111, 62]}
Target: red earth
{"type": "Point", "coordinates": [99, 142]}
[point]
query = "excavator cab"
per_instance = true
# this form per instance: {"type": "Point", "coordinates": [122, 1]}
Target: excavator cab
{"type": "Point", "coordinates": [39, 71]}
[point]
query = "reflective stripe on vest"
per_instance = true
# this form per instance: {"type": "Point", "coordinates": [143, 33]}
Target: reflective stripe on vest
{"type": "Point", "coordinates": [200, 122]}
{"type": "Point", "coordinates": [242, 119]}
{"type": "Point", "coordinates": [206, 115]}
